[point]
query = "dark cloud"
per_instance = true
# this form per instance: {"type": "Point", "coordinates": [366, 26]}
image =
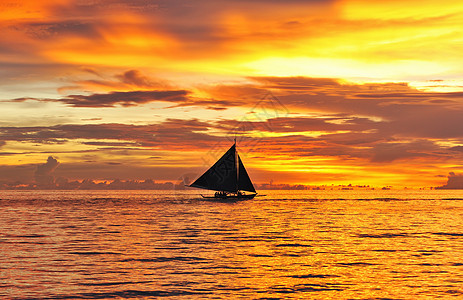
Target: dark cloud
{"type": "Point", "coordinates": [128, 80]}
{"type": "Point", "coordinates": [170, 133]}
{"type": "Point", "coordinates": [354, 139]}
{"type": "Point", "coordinates": [124, 98]}
{"type": "Point", "coordinates": [136, 78]}
{"type": "Point", "coordinates": [199, 25]}
{"type": "Point", "coordinates": [304, 146]}
{"type": "Point", "coordinates": [63, 133]}
{"type": "Point", "coordinates": [454, 181]}
{"type": "Point", "coordinates": [92, 71]}
{"type": "Point", "coordinates": [9, 153]}
{"type": "Point", "coordinates": [388, 152]}
{"type": "Point", "coordinates": [400, 110]}
{"type": "Point", "coordinates": [456, 148]}
{"type": "Point", "coordinates": [112, 99]}
{"type": "Point", "coordinates": [406, 112]}
{"type": "Point", "coordinates": [194, 23]}
{"type": "Point", "coordinates": [48, 30]}
{"type": "Point", "coordinates": [111, 144]}
{"type": "Point", "coordinates": [179, 98]}
{"type": "Point", "coordinates": [44, 173]}
{"type": "Point", "coordinates": [298, 83]}
{"type": "Point", "coordinates": [301, 124]}
{"type": "Point", "coordinates": [380, 125]}
{"type": "Point", "coordinates": [341, 137]}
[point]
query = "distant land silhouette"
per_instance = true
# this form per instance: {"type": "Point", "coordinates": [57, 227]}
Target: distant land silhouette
{"type": "Point", "coordinates": [149, 184]}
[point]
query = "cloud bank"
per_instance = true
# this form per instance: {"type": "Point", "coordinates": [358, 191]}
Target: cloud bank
{"type": "Point", "coordinates": [44, 173]}
{"type": "Point", "coordinates": [454, 182]}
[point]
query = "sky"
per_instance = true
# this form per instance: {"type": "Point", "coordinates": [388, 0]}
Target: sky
{"type": "Point", "coordinates": [317, 92]}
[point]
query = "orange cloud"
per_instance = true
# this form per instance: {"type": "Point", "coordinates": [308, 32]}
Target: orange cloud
{"type": "Point", "coordinates": [216, 61]}
{"type": "Point", "coordinates": [348, 39]}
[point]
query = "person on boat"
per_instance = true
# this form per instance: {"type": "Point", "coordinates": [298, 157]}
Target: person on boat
{"type": "Point", "coordinates": [220, 194]}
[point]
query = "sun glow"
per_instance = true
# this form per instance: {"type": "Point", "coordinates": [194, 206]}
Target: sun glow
{"type": "Point", "coordinates": [348, 69]}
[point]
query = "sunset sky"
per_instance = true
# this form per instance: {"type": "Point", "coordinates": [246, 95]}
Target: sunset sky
{"type": "Point", "coordinates": [316, 92]}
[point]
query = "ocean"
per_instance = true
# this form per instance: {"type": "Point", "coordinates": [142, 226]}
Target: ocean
{"type": "Point", "coordinates": [331, 244]}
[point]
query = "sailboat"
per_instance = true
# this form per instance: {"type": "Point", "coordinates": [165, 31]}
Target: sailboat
{"type": "Point", "coordinates": [227, 177]}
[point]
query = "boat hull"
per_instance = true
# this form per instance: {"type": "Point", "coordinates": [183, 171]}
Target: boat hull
{"type": "Point", "coordinates": [230, 197]}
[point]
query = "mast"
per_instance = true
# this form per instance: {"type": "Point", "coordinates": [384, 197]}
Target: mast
{"type": "Point", "coordinates": [226, 175]}
{"type": "Point", "coordinates": [236, 166]}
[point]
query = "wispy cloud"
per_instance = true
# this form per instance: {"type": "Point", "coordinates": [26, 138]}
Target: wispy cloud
{"type": "Point", "coordinates": [170, 133]}
{"type": "Point", "coordinates": [112, 99]}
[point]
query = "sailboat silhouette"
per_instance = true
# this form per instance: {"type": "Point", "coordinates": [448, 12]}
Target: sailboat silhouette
{"type": "Point", "coordinates": [228, 177]}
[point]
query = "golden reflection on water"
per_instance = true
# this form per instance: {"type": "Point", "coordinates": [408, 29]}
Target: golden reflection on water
{"type": "Point", "coordinates": [306, 244]}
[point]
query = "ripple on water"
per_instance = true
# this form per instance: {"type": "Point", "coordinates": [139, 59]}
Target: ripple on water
{"type": "Point", "coordinates": [131, 245]}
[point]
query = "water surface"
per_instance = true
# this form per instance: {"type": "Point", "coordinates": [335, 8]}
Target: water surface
{"type": "Point", "coordinates": [287, 245]}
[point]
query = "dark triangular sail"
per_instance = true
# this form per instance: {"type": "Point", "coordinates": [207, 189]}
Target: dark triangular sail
{"type": "Point", "coordinates": [244, 182]}
{"type": "Point", "coordinates": [222, 176]}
